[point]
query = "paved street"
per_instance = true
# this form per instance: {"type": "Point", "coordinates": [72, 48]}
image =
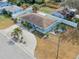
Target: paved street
{"type": "Point", "coordinates": [9, 50]}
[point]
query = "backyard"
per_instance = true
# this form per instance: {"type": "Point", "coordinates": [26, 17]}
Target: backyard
{"type": "Point", "coordinates": [48, 10]}
{"type": "Point", "coordinates": [47, 48]}
{"type": "Point", "coordinates": [5, 22]}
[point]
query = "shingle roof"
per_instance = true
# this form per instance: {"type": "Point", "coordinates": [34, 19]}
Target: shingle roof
{"type": "Point", "coordinates": [39, 20]}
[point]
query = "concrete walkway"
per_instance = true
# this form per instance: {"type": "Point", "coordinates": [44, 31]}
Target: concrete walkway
{"type": "Point", "coordinates": [29, 47]}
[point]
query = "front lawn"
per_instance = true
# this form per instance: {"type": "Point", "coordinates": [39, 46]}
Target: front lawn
{"type": "Point", "coordinates": [5, 21]}
{"type": "Point", "coordinates": [47, 48]}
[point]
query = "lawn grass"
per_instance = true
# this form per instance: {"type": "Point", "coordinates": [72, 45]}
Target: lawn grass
{"type": "Point", "coordinates": [47, 48]}
{"type": "Point", "coordinates": [46, 10]}
{"type": "Point", "coordinates": [5, 21]}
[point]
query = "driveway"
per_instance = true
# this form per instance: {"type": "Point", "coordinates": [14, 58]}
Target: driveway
{"type": "Point", "coordinates": [9, 50]}
{"type": "Point", "coordinates": [29, 47]}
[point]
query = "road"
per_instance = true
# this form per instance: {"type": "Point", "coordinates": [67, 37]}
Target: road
{"type": "Point", "coordinates": [8, 50]}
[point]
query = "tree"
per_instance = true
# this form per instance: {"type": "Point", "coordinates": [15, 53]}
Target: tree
{"type": "Point", "coordinates": [35, 8]}
{"type": "Point", "coordinates": [57, 0]}
{"type": "Point", "coordinates": [33, 1]}
{"type": "Point", "coordinates": [14, 1]}
{"type": "Point", "coordinates": [17, 34]}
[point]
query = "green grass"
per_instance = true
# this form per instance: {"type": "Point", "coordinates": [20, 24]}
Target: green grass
{"type": "Point", "coordinates": [5, 21]}
{"type": "Point", "coordinates": [4, 17]}
{"type": "Point", "coordinates": [46, 9]}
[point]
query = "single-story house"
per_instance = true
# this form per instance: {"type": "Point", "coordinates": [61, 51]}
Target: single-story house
{"type": "Point", "coordinates": [45, 23]}
{"type": "Point", "coordinates": [65, 13]}
{"type": "Point", "coordinates": [41, 23]}
{"type": "Point", "coordinates": [26, 11]}
{"type": "Point", "coordinates": [4, 5]}
{"type": "Point", "coordinates": [13, 9]}
{"type": "Point", "coordinates": [9, 7]}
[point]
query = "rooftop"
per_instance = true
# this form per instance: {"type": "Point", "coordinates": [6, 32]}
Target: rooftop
{"type": "Point", "coordinates": [12, 8]}
{"type": "Point", "coordinates": [3, 4]}
{"type": "Point", "coordinates": [38, 19]}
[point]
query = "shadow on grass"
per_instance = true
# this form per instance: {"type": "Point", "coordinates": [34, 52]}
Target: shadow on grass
{"type": "Point", "coordinates": [38, 34]}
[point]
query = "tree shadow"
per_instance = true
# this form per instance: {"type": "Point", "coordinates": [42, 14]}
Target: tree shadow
{"type": "Point", "coordinates": [15, 39]}
{"type": "Point", "coordinates": [11, 43]}
{"type": "Point", "coordinates": [38, 34]}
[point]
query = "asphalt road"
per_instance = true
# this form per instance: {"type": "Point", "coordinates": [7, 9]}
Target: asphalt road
{"type": "Point", "coordinates": [8, 50]}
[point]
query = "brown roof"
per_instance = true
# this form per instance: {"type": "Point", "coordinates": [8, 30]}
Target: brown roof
{"type": "Point", "coordinates": [38, 19]}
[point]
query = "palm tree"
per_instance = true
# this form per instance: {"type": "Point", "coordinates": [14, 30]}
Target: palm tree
{"type": "Point", "coordinates": [17, 34]}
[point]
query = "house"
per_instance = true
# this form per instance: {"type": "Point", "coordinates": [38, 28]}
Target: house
{"type": "Point", "coordinates": [43, 22]}
{"type": "Point", "coordinates": [26, 11]}
{"type": "Point", "coordinates": [40, 22]}
{"type": "Point", "coordinates": [13, 9]}
{"type": "Point", "coordinates": [9, 8]}
{"type": "Point", "coordinates": [65, 13]}
{"type": "Point", "coordinates": [4, 5]}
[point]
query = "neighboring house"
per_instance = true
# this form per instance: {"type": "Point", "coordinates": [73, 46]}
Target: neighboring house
{"type": "Point", "coordinates": [40, 22]}
{"type": "Point", "coordinates": [13, 9]}
{"type": "Point", "coordinates": [9, 8]}
{"type": "Point", "coordinates": [22, 13]}
{"type": "Point", "coordinates": [4, 5]}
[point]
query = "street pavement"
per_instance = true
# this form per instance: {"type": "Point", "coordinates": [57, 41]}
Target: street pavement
{"type": "Point", "coordinates": [9, 50]}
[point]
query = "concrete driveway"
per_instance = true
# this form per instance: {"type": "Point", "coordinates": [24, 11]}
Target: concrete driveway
{"type": "Point", "coordinates": [29, 47]}
{"type": "Point", "coordinates": [8, 50]}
